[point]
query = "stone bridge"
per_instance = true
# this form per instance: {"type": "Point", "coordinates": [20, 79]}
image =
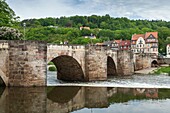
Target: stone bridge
{"type": "Point", "coordinates": [23, 63]}
{"type": "Point", "coordinates": [87, 63]}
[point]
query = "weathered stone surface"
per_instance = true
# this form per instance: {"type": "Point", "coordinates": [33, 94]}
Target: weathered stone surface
{"type": "Point", "coordinates": [4, 71]}
{"type": "Point", "coordinates": [23, 63]}
{"type": "Point", "coordinates": [91, 60]}
{"type": "Point", "coordinates": [69, 59]}
{"type": "Point", "coordinates": [142, 61]}
{"type": "Point", "coordinates": [96, 63]}
{"type": "Point", "coordinates": [125, 64]}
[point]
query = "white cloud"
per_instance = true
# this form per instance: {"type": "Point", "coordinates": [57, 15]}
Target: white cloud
{"type": "Point", "coordinates": [143, 9]}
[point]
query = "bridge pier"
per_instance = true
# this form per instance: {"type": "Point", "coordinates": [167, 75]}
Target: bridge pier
{"type": "Point", "coordinates": [96, 63]}
{"type": "Point", "coordinates": [24, 63]}
{"type": "Point", "coordinates": [125, 64]}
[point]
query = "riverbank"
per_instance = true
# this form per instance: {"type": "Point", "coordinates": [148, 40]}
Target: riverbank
{"type": "Point", "coordinates": [146, 71]}
{"type": "Point", "coordinates": [154, 70]}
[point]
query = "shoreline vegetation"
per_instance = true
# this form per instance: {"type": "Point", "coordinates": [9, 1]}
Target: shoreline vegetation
{"type": "Point", "coordinates": [51, 67]}
{"type": "Point", "coordinates": [162, 70]}
{"type": "Point", "coordinates": [165, 69]}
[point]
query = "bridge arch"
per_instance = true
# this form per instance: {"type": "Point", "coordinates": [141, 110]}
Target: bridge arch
{"type": "Point", "coordinates": [2, 83]}
{"type": "Point", "coordinates": [68, 68]}
{"type": "Point", "coordinates": [3, 79]}
{"type": "Point", "coordinates": [111, 67]}
{"type": "Point", "coordinates": [62, 94]}
{"type": "Point", "coordinates": [154, 63]}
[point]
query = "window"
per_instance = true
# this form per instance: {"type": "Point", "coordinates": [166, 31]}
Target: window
{"type": "Point", "coordinates": [141, 42]}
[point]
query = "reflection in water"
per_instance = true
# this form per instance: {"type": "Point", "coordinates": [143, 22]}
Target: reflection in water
{"type": "Point", "coordinates": [105, 99]}
{"type": "Point", "coordinates": [62, 94]}
{"type": "Point", "coordinates": [23, 100]}
{"type": "Point", "coordinates": [84, 100]}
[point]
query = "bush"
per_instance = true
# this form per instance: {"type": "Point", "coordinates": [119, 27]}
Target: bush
{"type": "Point", "coordinates": [52, 68]}
{"type": "Point", "coordinates": [163, 70]}
{"type": "Point", "coordinates": [50, 63]}
{"type": "Point", "coordinates": [7, 33]}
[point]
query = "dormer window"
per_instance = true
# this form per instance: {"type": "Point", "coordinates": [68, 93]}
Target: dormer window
{"type": "Point", "coordinates": [141, 42]}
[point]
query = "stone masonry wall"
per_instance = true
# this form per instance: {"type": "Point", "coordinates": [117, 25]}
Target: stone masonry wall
{"type": "Point", "coordinates": [96, 63]}
{"type": "Point", "coordinates": [27, 63]}
{"type": "Point", "coordinates": [125, 64]}
{"type": "Point", "coordinates": [142, 61]}
{"type": "Point", "coordinates": [4, 56]}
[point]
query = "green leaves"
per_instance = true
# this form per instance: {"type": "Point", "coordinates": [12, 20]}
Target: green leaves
{"type": "Point", "coordinates": [7, 33]}
{"type": "Point", "coordinates": [7, 15]}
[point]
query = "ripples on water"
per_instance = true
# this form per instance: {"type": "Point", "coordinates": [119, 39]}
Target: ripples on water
{"type": "Point", "coordinates": [143, 81]}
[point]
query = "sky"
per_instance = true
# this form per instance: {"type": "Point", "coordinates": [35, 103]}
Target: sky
{"type": "Point", "coordinates": [132, 9]}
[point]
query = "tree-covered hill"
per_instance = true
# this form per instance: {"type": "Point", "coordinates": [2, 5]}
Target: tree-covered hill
{"type": "Point", "coordinates": [55, 30]}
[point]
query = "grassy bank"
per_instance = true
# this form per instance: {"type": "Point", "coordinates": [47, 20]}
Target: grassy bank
{"type": "Point", "coordinates": [163, 70]}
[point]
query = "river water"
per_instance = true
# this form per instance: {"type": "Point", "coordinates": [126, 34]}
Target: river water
{"type": "Point", "coordinates": [135, 81]}
{"type": "Point", "coordinates": [133, 94]}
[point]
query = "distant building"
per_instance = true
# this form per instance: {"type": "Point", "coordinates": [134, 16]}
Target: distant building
{"type": "Point", "coordinates": [168, 50]}
{"type": "Point", "coordinates": [99, 44]}
{"type": "Point", "coordinates": [121, 44]}
{"type": "Point", "coordinates": [125, 45]}
{"type": "Point", "coordinates": [106, 43]}
{"type": "Point", "coordinates": [117, 44]}
{"type": "Point", "coordinates": [145, 43]}
{"type": "Point", "coordinates": [83, 27]}
{"type": "Point", "coordinates": [91, 37]}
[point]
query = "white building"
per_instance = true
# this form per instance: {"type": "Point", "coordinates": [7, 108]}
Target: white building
{"type": "Point", "coordinates": [168, 50]}
{"type": "Point", "coordinates": [145, 43]}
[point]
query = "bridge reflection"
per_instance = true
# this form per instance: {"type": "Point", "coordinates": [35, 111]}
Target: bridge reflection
{"type": "Point", "coordinates": [69, 99]}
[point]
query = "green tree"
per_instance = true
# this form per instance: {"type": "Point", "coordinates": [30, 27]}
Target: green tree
{"type": "Point", "coordinates": [7, 15]}
{"type": "Point", "coordinates": [7, 33]}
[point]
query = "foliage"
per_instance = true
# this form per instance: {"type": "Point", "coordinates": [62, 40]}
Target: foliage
{"type": "Point", "coordinates": [66, 29]}
{"type": "Point", "coordinates": [7, 33]}
{"type": "Point", "coordinates": [52, 68]}
{"type": "Point", "coordinates": [121, 97]}
{"type": "Point", "coordinates": [7, 15]}
{"type": "Point", "coordinates": [163, 70]}
{"type": "Point", "coordinates": [104, 27]}
{"type": "Point", "coordinates": [50, 63]}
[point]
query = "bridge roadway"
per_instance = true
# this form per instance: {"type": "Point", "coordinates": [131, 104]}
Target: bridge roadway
{"type": "Point", "coordinates": [23, 63]}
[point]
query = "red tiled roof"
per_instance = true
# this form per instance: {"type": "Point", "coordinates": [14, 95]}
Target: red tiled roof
{"type": "Point", "coordinates": [125, 43]}
{"type": "Point", "coordinates": [155, 34]}
{"type": "Point", "coordinates": [117, 41]}
{"type": "Point", "coordinates": [136, 36]}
